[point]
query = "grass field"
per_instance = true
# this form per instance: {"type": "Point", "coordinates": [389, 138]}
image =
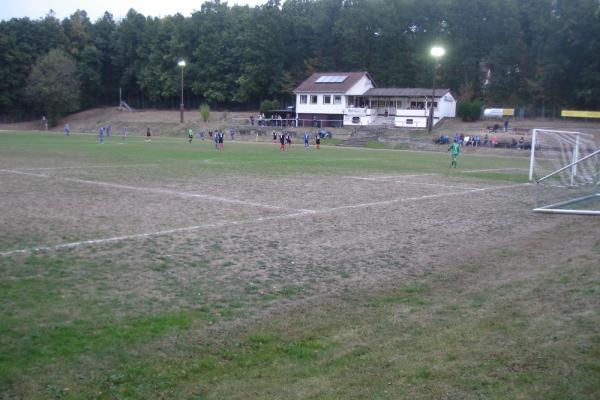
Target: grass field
{"type": "Point", "coordinates": [135, 270]}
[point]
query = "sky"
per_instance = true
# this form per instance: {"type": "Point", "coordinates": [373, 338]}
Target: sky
{"type": "Point", "coordinates": [35, 9]}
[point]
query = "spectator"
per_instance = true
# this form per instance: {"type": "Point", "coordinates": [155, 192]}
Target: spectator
{"type": "Point", "coordinates": [494, 141]}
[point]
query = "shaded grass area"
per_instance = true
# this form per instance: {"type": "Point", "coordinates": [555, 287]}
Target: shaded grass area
{"type": "Point", "coordinates": [30, 150]}
{"type": "Point", "coordinates": [473, 331]}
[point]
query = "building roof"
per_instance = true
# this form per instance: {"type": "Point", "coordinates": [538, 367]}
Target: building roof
{"type": "Point", "coordinates": [331, 82]}
{"type": "Point", "coordinates": [405, 92]}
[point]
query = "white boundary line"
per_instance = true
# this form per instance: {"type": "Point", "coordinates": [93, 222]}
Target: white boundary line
{"type": "Point", "coordinates": [386, 178]}
{"type": "Point", "coordinates": [429, 196]}
{"type": "Point", "coordinates": [149, 234]}
{"type": "Point", "coordinates": [234, 223]}
{"type": "Point", "coordinates": [158, 190]}
{"type": "Point", "coordinates": [436, 184]}
{"type": "Point", "coordinates": [494, 170]}
{"type": "Point", "coordinates": [87, 166]}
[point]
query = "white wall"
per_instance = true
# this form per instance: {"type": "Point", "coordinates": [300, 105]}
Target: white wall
{"type": "Point", "coordinates": [320, 108]}
{"type": "Point", "coordinates": [446, 106]}
{"type": "Point", "coordinates": [360, 87]}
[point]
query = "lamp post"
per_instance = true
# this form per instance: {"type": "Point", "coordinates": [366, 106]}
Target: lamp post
{"type": "Point", "coordinates": [181, 63]}
{"type": "Point", "coordinates": [436, 53]}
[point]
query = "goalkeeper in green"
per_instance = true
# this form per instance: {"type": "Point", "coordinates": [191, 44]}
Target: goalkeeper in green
{"type": "Point", "coordinates": [455, 151]}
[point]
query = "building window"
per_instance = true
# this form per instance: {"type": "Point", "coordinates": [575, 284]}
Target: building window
{"type": "Point", "coordinates": [417, 105]}
{"type": "Point", "coordinates": [326, 99]}
{"type": "Point", "coordinates": [356, 120]}
{"type": "Point", "coordinates": [337, 99]}
{"type": "Point", "coordinates": [409, 122]}
{"type": "Point", "coordinates": [303, 99]}
{"type": "Point", "coordinates": [313, 99]}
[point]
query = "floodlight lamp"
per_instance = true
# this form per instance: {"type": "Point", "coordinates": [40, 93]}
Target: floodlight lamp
{"type": "Point", "coordinates": [437, 51]}
{"type": "Point", "coordinates": [181, 63]}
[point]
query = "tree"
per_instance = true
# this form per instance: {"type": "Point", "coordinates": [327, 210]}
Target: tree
{"type": "Point", "coordinates": [52, 87]}
{"type": "Point", "coordinates": [204, 111]}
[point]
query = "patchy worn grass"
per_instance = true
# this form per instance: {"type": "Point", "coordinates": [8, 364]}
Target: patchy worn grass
{"type": "Point", "coordinates": [436, 297]}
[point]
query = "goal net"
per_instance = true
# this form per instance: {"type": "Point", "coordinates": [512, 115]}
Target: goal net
{"type": "Point", "coordinates": [565, 167]}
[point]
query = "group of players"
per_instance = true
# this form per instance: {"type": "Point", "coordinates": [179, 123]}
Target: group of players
{"type": "Point", "coordinates": [218, 136]}
{"type": "Point", "coordinates": [285, 139]}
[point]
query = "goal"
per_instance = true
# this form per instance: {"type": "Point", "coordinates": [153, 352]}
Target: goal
{"type": "Point", "coordinates": [565, 167]}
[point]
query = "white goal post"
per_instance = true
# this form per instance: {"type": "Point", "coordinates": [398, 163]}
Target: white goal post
{"type": "Point", "coordinates": [565, 167]}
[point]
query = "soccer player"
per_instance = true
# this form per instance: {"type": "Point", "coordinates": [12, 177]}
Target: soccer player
{"type": "Point", "coordinates": [190, 135]}
{"type": "Point", "coordinates": [454, 150]}
{"type": "Point", "coordinates": [281, 142]}
{"type": "Point", "coordinates": [101, 134]}
{"type": "Point", "coordinates": [318, 141]}
{"type": "Point", "coordinates": [67, 129]}
{"type": "Point", "coordinates": [148, 136]}
{"type": "Point", "coordinates": [108, 134]}
{"type": "Point", "coordinates": [306, 139]}
{"type": "Point", "coordinates": [124, 133]}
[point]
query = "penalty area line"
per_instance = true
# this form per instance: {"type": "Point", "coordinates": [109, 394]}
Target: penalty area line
{"type": "Point", "coordinates": [150, 234]}
{"type": "Point", "coordinates": [85, 167]}
{"type": "Point", "coordinates": [157, 190]}
{"type": "Point", "coordinates": [386, 178]}
{"type": "Point", "coordinates": [492, 170]}
{"type": "Point", "coordinates": [239, 223]}
{"type": "Point", "coordinates": [418, 198]}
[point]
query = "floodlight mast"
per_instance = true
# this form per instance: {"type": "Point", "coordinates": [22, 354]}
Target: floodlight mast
{"type": "Point", "coordinates": [181, 64]}
{"type": "Point", "coordinates": [436, 52]}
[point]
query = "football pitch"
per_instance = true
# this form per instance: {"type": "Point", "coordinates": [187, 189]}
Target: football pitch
{"type": "Point", "coordinates": [175, 270]}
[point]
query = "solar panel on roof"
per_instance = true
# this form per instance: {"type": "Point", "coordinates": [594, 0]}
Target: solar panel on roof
{"type": "Point", "coordinates": [332, 79]}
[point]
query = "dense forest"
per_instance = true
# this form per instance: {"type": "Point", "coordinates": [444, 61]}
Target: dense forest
{"type": "Point", "coordinates": [540, 54]}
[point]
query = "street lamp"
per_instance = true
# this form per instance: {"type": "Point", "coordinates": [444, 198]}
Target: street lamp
{"type": "Point", "coordinates": [436, 53]}
{"type": "Point", "coordinates": [181, 63]}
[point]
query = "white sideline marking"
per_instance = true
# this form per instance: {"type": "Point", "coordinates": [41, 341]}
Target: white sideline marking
{"type": "Point", "coordinates": [233, 223]}
{"type": "Point", "coordinates": [149, 234]}
{"type": "Point", "coordinates": [430, 196]}
{"type": "Point", "coordinates": [437, 184]}
{"type": "Point", "coordinates": [88, 166]}
{"type": "Point", "coordinates": [493, 170]}
{"type": "Point", "coordinates": [158, 190]}
{"type": "Point", "coordinates": [384, 178]}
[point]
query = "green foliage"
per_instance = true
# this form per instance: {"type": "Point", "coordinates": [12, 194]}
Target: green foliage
{"type": "Point", "coordinates": [536, 52]}
{"type": "Point", "coordinates": [52, 86]}
{"type": "Point", "coordinates": [268, 105]}
{"type": "Point", "coordinates": [204, 111]}
{"type": "Point", "coordinates": [469, 110]}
